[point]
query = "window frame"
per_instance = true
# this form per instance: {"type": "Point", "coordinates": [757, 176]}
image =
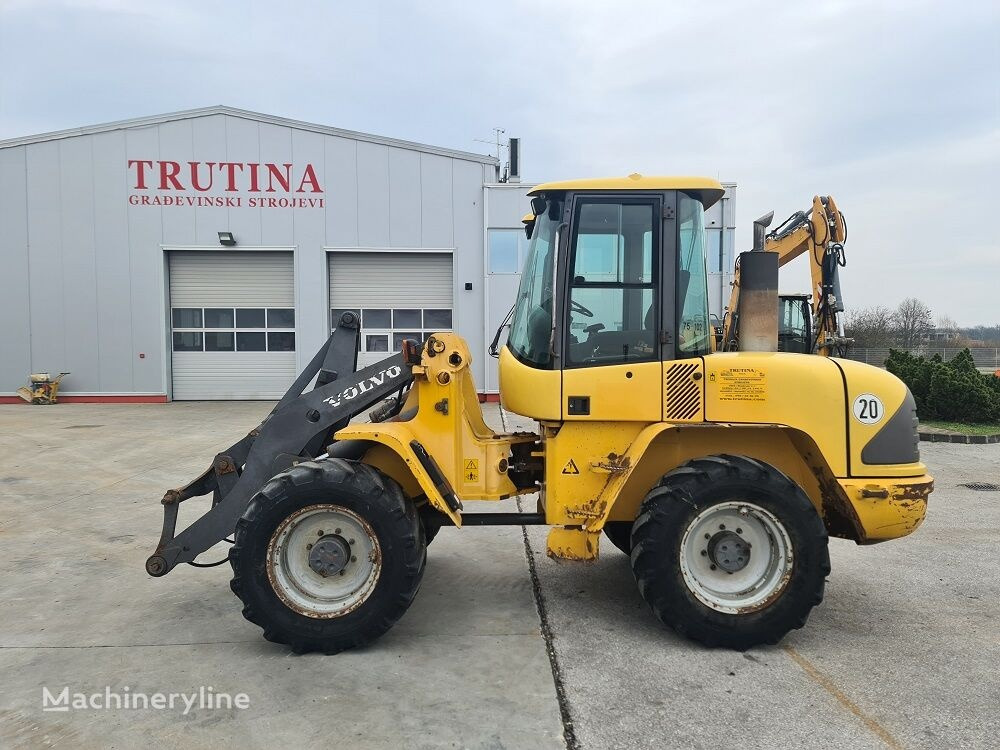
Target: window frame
{"type": "Point", "coordinates": [423, 330]}
{"type": "Point", "coordinates": [567, 261]}
{"type": "Point", "coordinates": [235, 329]}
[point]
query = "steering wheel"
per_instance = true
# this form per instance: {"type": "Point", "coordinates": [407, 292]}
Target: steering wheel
{"type": "Point", "coordinates": [578, 308]}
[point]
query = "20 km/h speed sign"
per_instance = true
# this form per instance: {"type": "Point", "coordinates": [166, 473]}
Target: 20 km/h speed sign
{"type": "Point", "coordinates": [868, 409]}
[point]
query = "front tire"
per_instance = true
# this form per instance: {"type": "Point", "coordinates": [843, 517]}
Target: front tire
{"type": "Point", "coordinates": [327, 556]}
{"type": "Point", "coordinates": [730, 552]}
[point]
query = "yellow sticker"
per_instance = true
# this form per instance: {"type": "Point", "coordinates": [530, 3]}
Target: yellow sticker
{"type": "Point", "coordinates": [471, 472]}
{"type": "Point", "coordinates": [742, 384]}
{"type": "Point", "coordinates": [570, 468]}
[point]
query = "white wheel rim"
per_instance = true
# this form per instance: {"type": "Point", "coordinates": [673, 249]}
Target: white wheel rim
{"type": "Point", "coordinates": [765, 571]}
{"type": "Point", "coordinates": [294, 578]}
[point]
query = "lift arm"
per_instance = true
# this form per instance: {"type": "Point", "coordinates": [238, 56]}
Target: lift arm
{"type": "Point", "coordinates": [299, 427]}
{"type": "Point", "coordinates": [820, 234]}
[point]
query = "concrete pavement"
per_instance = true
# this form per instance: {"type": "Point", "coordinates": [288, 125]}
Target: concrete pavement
{"type": "Point", "coordinates": [902, 653]}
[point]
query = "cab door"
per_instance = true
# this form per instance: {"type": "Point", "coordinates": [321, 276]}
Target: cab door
{"type": "Point", "coordinates": [611, 364]}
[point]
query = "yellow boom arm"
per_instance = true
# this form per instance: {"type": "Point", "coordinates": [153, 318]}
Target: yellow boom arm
{"type": "Point", "coordinates": [820, 233]}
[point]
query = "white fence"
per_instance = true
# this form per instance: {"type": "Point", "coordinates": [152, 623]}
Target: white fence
{"type": "Point", "coordinates": [987, 360]}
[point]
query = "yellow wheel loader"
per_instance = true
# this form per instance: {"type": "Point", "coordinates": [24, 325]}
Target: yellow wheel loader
{"type": "Point", "coordinates": [721, 475]}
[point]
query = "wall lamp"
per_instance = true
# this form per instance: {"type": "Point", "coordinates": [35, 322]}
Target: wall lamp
{"type": "Point", "coordinates": [227, 239]}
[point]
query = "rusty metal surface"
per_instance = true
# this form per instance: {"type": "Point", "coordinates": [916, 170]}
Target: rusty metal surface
{"type": "Point", "coordinates": [375, 558]}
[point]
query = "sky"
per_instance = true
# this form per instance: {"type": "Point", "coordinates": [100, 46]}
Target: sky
{"type": "Point", "coordinates": [891, 107]}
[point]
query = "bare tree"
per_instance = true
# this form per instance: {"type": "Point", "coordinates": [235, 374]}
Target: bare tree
{"type": "Point", "coordinates": [948, 332]}
{"type": "Point", "coordinates": [871, 327]}
{"type": "Point", "coordinates": [913, 322]}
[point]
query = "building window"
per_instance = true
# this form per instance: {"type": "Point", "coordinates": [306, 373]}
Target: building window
{"type": "Point", "coordinates": [505, 250]}
{"type": "Point", "coordinates": [229, 329]}
{"type": "Point", "coordinates": [383, 330]}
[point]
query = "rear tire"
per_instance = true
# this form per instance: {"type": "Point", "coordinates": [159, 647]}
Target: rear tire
{"type": "Point", "coordinates": [327, 556]}
{"type": "Point", "coordinates": [730, 552]}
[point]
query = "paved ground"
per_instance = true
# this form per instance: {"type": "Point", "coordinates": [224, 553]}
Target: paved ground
{"type": "Point", "coordinates": [904, 652]}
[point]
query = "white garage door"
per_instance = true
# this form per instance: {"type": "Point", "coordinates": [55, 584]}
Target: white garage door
{"type": "Point", "coordinates": [398, 295]}
{"type": "Point", "coordinates": [233, 324]}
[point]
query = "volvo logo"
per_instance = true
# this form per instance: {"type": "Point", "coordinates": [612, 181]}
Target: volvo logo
{"type": "Point", "coordinates": [352, 392]}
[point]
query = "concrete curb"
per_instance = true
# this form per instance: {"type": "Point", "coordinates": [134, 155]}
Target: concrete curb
{"type": "Point", "coordinates": [954, 437]}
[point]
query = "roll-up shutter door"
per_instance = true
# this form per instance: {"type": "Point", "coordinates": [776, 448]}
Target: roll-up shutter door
{"type": "Point", "coordinates": [399, 295]}
{"type": "Point", "coordinates": [233, 324]}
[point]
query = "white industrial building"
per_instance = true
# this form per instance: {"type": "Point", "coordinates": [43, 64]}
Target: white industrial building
{"type": "Point", "coordinates": [203, 254]}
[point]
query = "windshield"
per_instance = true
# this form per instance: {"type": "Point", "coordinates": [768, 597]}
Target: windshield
{"type": "Point", "coordinates": [693, 330]}
{"type": "Point", "coordinates": [531, 329]}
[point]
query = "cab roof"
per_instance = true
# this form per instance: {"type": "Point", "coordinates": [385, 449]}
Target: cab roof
{"type": "Point", "coordinates": [709, 191]}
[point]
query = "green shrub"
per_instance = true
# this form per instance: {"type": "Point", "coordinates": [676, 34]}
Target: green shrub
{"type": "Point", "coordinates": [953, 391]}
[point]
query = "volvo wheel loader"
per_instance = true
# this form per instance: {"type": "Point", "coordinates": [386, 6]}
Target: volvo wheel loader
{"type": "Point", "coordinates": [720, 475]}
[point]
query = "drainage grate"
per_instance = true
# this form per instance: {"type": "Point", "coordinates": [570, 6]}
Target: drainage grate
{"type": "Point", "coordinates": [982, 486]}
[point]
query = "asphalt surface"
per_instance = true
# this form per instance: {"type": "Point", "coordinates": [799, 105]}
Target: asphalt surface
{"type": "Point", "coordinates": [903, 652]}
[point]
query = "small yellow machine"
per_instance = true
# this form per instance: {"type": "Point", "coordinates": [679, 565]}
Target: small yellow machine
{"type": "Point", "coordinates": [721, 475]}
{"type": "Point", "coordinates": [42, 388]}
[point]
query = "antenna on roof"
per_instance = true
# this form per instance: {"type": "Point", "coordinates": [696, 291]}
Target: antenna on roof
{"type": "Point", "coordinates": [497, 143]}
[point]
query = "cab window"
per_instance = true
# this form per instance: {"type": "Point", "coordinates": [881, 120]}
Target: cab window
{"type": "Point", "coordinates": [612, 294]}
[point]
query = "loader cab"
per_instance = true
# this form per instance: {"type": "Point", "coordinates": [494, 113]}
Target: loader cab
{"type": "Point", "coordinates": [795, 323]}
{"type": "Point", "coordinates": [613, 285]}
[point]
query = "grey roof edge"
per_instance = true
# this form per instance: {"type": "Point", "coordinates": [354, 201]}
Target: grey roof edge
{"type": "Point", "coordinates": [187, 114]}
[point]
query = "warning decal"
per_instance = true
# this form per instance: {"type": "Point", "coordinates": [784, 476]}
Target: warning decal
{"type": "Point", "coordinates": [742, 384]}
{"type": "Point", "coordinates": [471, 470]}
{"type": "Point", "coordinates": [570, 468]}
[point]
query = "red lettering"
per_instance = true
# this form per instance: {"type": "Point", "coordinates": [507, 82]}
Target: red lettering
{"type": "Point", "coordinates": [168, 173]}
{"type": "Point", "coordinates": [254, 187]}
{"type": "Point", "coordinates": [134, 200]}
{"type": "Point", "coordinates": [145, 200]}
{"type": "Point", "coordinates": [230, 168]}
{"type": "Point", "coordinates": [140, 172]}
{"type": "Point", "coordinates": [273, 174]}
{"type": "Point", "coordinates": [195, 182]}
{"type": "Point", "coordinates": [309, 176]}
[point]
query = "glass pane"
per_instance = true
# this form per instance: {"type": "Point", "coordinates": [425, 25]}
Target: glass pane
{"type": "Point", "coordinates": [503, 246]}
{"type": "Point", "coordinates": [281, 342]}
{"type": "Point", "coordinates": [377, 343]}
{"type": "Point", "coordinates": [338, 311]}
{"type": "Point", "coordinates": [219, 317]}
{"type": "Point", "coordinates": [187, 317]}
{"type": "Point", "coordinates": [218, 341]}
{"type": "Point", "coordinates": [281, 318]}
{"type": "Point", "coordinates": [250, 318]}
{"type": "Point", "coordinates": [250, 342]}
{"type": "Point", "coordinates": [376, 319]}
{"type": "Point", "coordinates": [637, 233]}
{"type": "Point", "coordinates": [187, 342]}
{"type": "Point", "coordinates": [622, 328]}
{"type": "Point", "coordinates": [397, 339]}
{"type": "Point", "coordinates": [713, 246]}
{"type": "Point", "coordinates": [692, 281]}
{"type": "Point", "coordinates": [439, 320]}
{"type": "Point", "coordinates": [406, 319]}
{"type": "Point", "coordinates": [531, 326]}
{"type": "Point", "coordinates": [614, 244]}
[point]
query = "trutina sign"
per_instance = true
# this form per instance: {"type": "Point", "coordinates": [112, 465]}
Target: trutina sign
{"type": "Point", "coordinates": [225, 184]}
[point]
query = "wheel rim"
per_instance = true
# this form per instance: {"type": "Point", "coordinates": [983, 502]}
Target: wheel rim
{"type": "Point", "coordinates": [736, 557]}
{"type": "Point", "coordinates": [324, 561]}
